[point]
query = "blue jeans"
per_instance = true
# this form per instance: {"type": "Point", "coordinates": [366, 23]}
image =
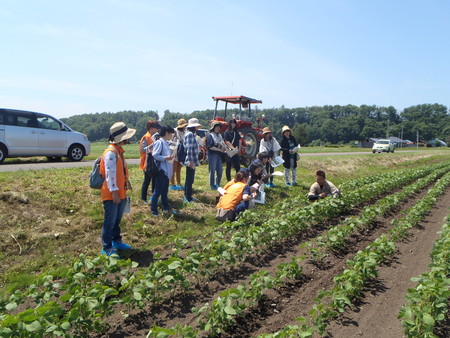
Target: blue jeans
{"type": "Point", "coordinates": [161, 189]}
{"type": "Point", "coordinates": [241, 207]}
{"type": "Point", "coordinates": [190, 175]}
{"type": "Point", "coordinates": [111, 228]}
{"type": "Point", "coordinates": [215, 166]}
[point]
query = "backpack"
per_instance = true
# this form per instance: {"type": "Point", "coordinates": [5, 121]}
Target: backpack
{"type": "Point", "coordinates": [95, 178]}
{"type": "Point", "coordinates": [151, 166]}
{"type": "Point", "coordinates": [181, 153]}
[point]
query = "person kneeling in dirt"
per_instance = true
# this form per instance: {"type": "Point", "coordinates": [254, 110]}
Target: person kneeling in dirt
{"type": "Point", "coordinates": [322, 188]}
{"type": "Point", "coordinates": [236, 197]}
{"type": "Point", "coordinates": [258, 169]}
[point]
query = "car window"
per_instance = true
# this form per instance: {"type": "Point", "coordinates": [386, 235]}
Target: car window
{"type": "Point", "coordinates": [20, 119]}
{"type": "Point", "coordinates": [47, 122]}
{"type": "Point", "coordinates": [383, 142]}
{"type": "Point", "coordinates": [1, 117]}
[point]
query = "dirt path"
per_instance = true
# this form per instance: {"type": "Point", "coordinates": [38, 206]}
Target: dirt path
{"type": "Point", "coordinates": [376, 316]}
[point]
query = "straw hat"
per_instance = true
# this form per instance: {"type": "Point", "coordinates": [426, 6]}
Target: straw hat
{"type": "Point", "coordinates": [285, 128]}
{"type": "Point", "coordinates": [213, 125]}
{"type": "Point", "coordinates": [120, 132]}
{"type": "Point", "coordinates": [266, 130]}
{"type": "Point", "coordinates": [181, 123]}
{"type": "Point", "coordinates": [193, 122]}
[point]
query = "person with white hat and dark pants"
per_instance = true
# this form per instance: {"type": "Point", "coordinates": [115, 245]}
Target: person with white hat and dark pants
{"type": "Point", "coordinates": [191, 148]}
{"type": "Point", "coordinates": [114, 190]}
{"type": "Point", "coordinates": [271, 146]}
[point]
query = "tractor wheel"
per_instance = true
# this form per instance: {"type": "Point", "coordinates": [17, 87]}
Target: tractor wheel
{"type": "Point", "coordinates": [251, 145]}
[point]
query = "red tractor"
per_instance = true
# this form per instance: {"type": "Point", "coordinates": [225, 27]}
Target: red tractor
{"type": "Point", "coordinates": [250, 136]}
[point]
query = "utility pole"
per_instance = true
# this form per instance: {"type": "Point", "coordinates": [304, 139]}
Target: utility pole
{"type": "Point", "coordinates": [402, 135]}
{"type": "Point", "coordinates": [417, 139]}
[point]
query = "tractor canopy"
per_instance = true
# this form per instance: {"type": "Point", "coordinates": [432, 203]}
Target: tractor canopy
{"type": "Point", "coordinates": [242, 101]}
{"type": "Point", "coordinates": [251, 136]}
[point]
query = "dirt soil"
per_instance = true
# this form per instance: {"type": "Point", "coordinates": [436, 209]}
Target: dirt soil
{"type": "Point", "coordinates": [374, 316]}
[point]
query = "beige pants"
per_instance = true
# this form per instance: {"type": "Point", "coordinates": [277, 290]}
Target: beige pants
{"type": "Point", "coordinates": [176, 173]}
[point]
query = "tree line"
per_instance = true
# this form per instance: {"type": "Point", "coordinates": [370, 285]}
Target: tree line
{"type": "Point", "coordinates": [329, 124]}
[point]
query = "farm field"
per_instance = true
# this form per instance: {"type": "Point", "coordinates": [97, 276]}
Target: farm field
{"type": "Point", "coordinates": [284, 269]}
{"type": "Point", "coordinates": [132, 151]}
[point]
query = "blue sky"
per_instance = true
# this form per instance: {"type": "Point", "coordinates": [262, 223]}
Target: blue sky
{"type": "Point", "coordinates": [73, 57]}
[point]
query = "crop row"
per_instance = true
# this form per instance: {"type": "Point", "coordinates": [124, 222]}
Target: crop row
{"type": "Point", "coordinates": [94, 286]}
{"type": "Point", "coordinates": [221, 313]}
{"type": "Point", "coordinates": [350, 283]}
{"type": "Point", "coordinates": [335, 238]}
{"type": "Point", "coordinates": [427, 302]}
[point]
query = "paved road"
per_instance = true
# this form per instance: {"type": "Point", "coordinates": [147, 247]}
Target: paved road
{"type": "Point", "coordinates": [61, 165]}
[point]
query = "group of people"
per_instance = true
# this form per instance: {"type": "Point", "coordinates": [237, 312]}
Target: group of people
{"type": "Point", "coordinates": [171, 149]}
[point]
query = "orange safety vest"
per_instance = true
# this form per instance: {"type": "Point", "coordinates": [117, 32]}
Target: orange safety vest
{"type": "Point", "coordinates": [147, 136]}
{"type": "Point", "coordinates": [121, 174]}
{"type": "Point", "coordinates": [233, 195]}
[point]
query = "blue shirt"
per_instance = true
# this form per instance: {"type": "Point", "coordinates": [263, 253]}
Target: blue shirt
{"type": "Point", "coordinates": [160, 151]}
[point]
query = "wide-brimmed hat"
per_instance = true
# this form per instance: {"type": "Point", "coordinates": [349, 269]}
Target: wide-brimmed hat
{"type": "Point", "coordinates": [193, 122]}
{"type": "Point", "coordinates": [285, 128]}
{"type": "Point", "coordinates": [120, 132]}
{"type": "Point", "coordinates": [213, 125]}
{"type": "Point", "coordinates": [181, 123]}
{"type": "Point", "coordinates": [266, 130]}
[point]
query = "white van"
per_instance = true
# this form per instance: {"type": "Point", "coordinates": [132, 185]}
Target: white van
{"type": "Point", "coordinates": [24, 133]}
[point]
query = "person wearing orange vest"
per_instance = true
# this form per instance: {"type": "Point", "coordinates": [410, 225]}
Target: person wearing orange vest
{"type": "Point", "coordinates": [145, 146]}
{"type": "Point", "coordinates": [114, 190]}
{"type": "Point", "coordinates": [237, 195]}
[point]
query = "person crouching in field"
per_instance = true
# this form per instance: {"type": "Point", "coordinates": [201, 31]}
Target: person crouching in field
{"type": "Point", "coordinates": [257, 169]}
{"type": "Point", "coordinates": [162, 156]}
{"type": "Point", "coordinates": [236, 197]}
{"type": "Point", "coordinates": [114, 190]}
{"type": "Point", "coordinates": [322, 188]}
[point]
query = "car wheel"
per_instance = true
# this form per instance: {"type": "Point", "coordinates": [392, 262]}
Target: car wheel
{"type": "Point", "coordinates": [373, 151]}
{"type": "Point", "coordinates": [3, 153]}
{"type": "Point", "coordinates": [75, 153]}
